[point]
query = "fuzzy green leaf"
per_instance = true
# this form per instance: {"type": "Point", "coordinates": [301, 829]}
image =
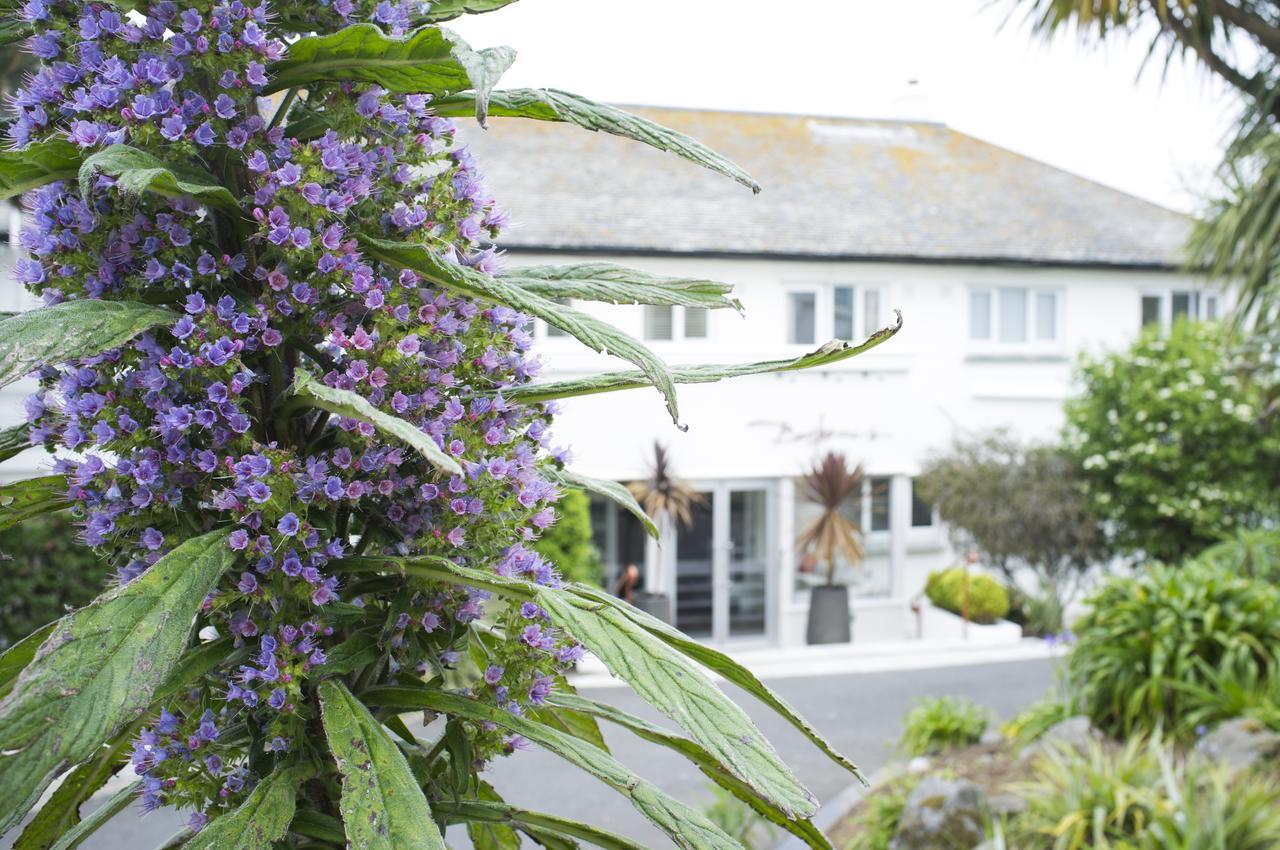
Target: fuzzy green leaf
{"type": "Point", "coordinates": [16, 658]}
{"type": "Point", "coordinates": [447, 10]}
{"type": "Point", "coordinates": [22, 500]}
{"type": "Point", "coordinates": [620, 285]}
{"type": "Point", "coordinates": [555, 105]}
{"type": "Point", "coordinates": [429, 60]}
{"type": "Point", "coordinates": [37, 165]}
{"type": "Point", "coordinates": [99, 669]}
{"type": "Point", "coordinates": [685, 826]}
{"type": "Point", "coordinates": [570, 719]}
{"type": "Point", "coordinates": [261, 820]}
{"type": "Point", "coordinates": [590, 331]}
{"type": "Point", "coordinates": [353, 406]}
{"type": "Point", "coordinates": [14, 441]}
{"type": "Point", "coordinates": [382, 806]}
{"type": "Point", "coordinates": [690, 749]}
{"type": "Point", "coordinates": [611, 490]}
{"type": "Point", "coordinates": [477, 814]}
{"type": "Point", "coordinates": [69, 331]}
{"type": "Point", "coordinates": [137, 171]}
{"type": "Point", "coordinates": [116, 804]}
{"type": "Point", "coordinates": [486, 833]}
{"type": "Point", "coordinates": [608, 382]}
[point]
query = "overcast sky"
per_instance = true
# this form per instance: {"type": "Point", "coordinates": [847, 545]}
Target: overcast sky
{"type": "Point", "coordinates": [1082, 108]}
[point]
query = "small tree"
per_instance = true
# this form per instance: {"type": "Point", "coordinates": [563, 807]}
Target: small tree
{"type": "Point", "coordinates": [1019, 506]}
{"type": "Point", "coordinates": [568, 544]}
{"type": "Point", "coordinates": [1176, 451]}
{"type": "Point", "coordinates": [829, 484]}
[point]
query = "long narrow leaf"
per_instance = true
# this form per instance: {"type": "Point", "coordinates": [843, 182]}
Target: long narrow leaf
{"type": "Point", "coordinates": [608, 382]}
{"type": "Point", "coordinates": [590, 331]}
{"type": "Point", "coordinates": [447, 10]}
{"type": "Point", "coordinates": [685, 826]}
{"type": "Point", "coordinates": [487, 812]}
{"type": "Point", "coordinates": [620, 285]}
{"type": "Point", "coordinates": [353, 406]}
{"type": "Point", "coordinates": [262, 819]}
{"type": "Point", "coordinates": [382, 806]}
{"type": "Point", "coordinates": [99, 668]}
{"type": "Point", "coordinates": [22, 500]}
{"type": "Point", "coordinates": [118, 802]}
{"type": "Point", "coordinates": [15, 659]}
{"type": "Point", "coordinates": [14, 441]}
{"type": "Point", "coordinates": [611, 490]}
{"type": "Point", "coordinates": [555, 105]}
{"type": "Point", "coordinates": [36, 165]}
{"type": "Point", "coordinates": [69, 331]}
{"type": "Point", "coordinates": [690, 749]}
{"type": "Point", "coordinates": [137, 171]}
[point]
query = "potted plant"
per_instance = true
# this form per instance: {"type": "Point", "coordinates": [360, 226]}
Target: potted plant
{"type": "Point", "coordinates": [670, 502]}
{"type": "Point", "coordinates": [829, 484]}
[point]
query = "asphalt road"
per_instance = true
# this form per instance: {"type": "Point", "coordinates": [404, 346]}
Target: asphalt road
{"type": "Point", "coordinates": [860, 713]}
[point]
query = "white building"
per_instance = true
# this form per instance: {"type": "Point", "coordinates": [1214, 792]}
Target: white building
{"type": "Point", "coordinates": [1004, 269]}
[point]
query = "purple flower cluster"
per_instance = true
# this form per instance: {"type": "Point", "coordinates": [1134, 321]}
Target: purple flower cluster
{"type": "Point", "coordinates": [191, 427]}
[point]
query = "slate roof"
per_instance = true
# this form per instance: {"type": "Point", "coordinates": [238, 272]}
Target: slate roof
{"type": "Point", "coordinates": [833, 188]}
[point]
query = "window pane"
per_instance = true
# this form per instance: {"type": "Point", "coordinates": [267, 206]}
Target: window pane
{"type": "Point", "coordinates": [1013, 315]}
{"type": "Point", "coordinates": [870, 311]}
{"type": "Point", "coordinates": [695, 322]}
{"type": "Point", "coordinates": [921, 511]}
{"type": "Point", "coordinates": [843, 327]}
{"type": "Point", "coordinates": [1150, 310]}
{"type": "Point", "coordinates": [879, 504]}
{"type": "Point", "coordinates": [802, 316]}
{"type": "Point", "coordinates": [1181, 304]}
{"type": "Point", "coordinates": [551, 329]}
{"type": "Point", "coordinates": [1046, 315]}
{"type": "Point", "coordinates": [1211, 307]}
{"type": "Point", "coordinates": [979, 315]}
{"type": "Point", "coordinates": [657, 321]}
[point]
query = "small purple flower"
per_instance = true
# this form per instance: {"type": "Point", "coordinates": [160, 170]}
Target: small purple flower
{"type": "Point", "coordinates": [288, 525]}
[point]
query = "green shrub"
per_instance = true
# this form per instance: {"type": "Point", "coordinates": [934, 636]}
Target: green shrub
{"type": "Point", "coordinates": [1036, 719]}
{"type": "Point", "coordinates": [568, 543]}
{"type": "Point", "coordinates": [1229, 693]}
{"type": "Point", "coordinates": [43, 569]}
{"type": "Point", "coordinates": [1255, 552]}
{"type": "Point", "coordinates": [1149, 638]}
{"type": "Point", "coordinates": [988, 598]}
{"type": "Point", "coordinates": [878, 816]}
{"type": "Point", "coordinates": [1040, 615]}
{"type": "Point", "coordinates": [938, 724]}
{"type": "Point", "coordinates": [1210, 811]}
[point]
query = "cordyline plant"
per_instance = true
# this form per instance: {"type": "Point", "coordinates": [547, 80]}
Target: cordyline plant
{"type": "Point", "coordinates": [291, 397]}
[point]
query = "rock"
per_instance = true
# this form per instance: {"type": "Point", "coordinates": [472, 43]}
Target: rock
{"type": "Point", "coordinates": [1239, 744]}
{"type": "Point", "coordinates": [1006, 805]}
{"type": "Point", "coordinates": [941, 814]}
{"type": "Point", "coordinates": [991, 737]}
{"type": "Point", "coordinates": [919, 764]}
{"type": "Point", "coordinates": [1073, 733]}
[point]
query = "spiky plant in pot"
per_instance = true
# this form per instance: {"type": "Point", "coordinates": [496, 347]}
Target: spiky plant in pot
{"type": "Point", "coordinates": [829, 484]}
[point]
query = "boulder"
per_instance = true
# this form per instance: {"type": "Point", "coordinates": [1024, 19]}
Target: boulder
{"type": "Point", "coordinates": [941, 814]}
{"type": "Point", "coordinates": [1240, 743]}
{"type": "Point", "coordinates": [1073, 733]}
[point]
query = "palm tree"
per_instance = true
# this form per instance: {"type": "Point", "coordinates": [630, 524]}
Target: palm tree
{"type": "Point", "coordinates": [829, 484]}
{"type": "Point", "coordinates": [662, 495]}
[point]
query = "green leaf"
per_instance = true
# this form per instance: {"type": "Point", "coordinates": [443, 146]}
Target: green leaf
{"type": "Point", "coordinates": [590, 331]}
{"type": "Point", "coordinates": [137, 172]}
{"type": "Point", "coordinates": [353, 406]}
{"type": "Point", "coordinates": [118, 802]}
{"type": "Point", "coordinates": [620, 285]}
{"type": "Point", "coordinates": [22, 500]}
{"type": "Point", "coordinates": [37, 165]}
{"type": "Point", "coordinates": [314, 824]}
{"type": "Point", "coordinates": [556, 105]}
{"type": "Point", "coordinates": [382, 805]}
{"type": "Point", "coordinates": [260, 820]}
{"type": "Point", "coordinates": [716, 660]}
{"type": "Point", "coordinates": [15, 659]}
{"type": "Point", "coordinates": [14, 441]}
{"type": "Point", "coordinates": [663, 678]}
{"type": "Point", "coordinates": [571, 720]}
{"type": "Point", "coordinates": [447, 10]}
{"type": "Point", "coordinates": [488, 833]}
{"type": "Point", "coordinates": [497, 815]}
{"type": "Point", "coordinates": [685, 826]}
{"type": "Point", "coordinates": [99, 669]}
{"type": "Point", "coordinates": [69, 331]}
{"type": "Point", "coordinates": [690, 749]}
{"type": "Point", "coordinates": [356, 652]}
{"type": "Point", "coordinates": [608, 382]}
{"type": "Point", "coordinates": [611, 490]}
{"type": "Point", "coordinates": [429, 60]}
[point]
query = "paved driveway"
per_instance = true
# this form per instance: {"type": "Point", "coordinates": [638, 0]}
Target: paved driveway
{"type": "Point", "coordinates": [860, 713]}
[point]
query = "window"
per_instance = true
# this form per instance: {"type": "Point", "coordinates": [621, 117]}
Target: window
{"type": "Point", "coordinates": [833, 310]}
{"type": "Point", "coordinates": [664, 322]}
{"type": "Point", "coordinates": [1166, 307]}
{"type": "Point", "coordinates": [921, 511]}
{"type": "Point", "coordinates": [879, 488]}
{"type": "Point", "coordinates": [1014, 316]}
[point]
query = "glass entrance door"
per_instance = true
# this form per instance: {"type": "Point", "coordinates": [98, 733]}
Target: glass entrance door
{"type": "Point", "coordinates": [722, 586]}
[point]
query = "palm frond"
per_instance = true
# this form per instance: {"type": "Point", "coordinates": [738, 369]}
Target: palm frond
{"type": "Point", "coordinates": [663, 494]}
{"type": "Point", "coordinates": [829, 484]}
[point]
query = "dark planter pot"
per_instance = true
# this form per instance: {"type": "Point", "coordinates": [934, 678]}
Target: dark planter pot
{"type": "Point", "coordinates": [656, 604]}
{"type": "Point", "coordinates": [829, 617]}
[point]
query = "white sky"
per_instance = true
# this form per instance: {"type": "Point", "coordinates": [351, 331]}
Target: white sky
{"type": "Point", "coordinates": [1082, 108]}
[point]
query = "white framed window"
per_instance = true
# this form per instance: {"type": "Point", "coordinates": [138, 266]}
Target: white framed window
{"type": "Point", "coordinates": [1015, 317]}
{"type": "Point", "coordinates": [664, 323]}
{"type": "Point", "coordinates": [820, 312]}
{"type": "Point", "coordinates": [1165, 306]}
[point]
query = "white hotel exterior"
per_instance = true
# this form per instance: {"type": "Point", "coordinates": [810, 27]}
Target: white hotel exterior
{"type": "Point", "coordinates": [1004, 270]}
